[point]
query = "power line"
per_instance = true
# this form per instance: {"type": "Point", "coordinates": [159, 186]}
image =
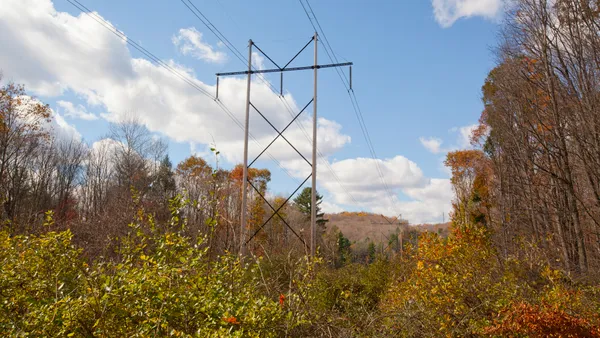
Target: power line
{"type": "Point", "coordinates": [228, 16]}
{"type": "Point", "coordinates": [244, 61]}
{"type": "Point", "coordinates": [213, 29]}
{"type": "Point", "coordinates": [352, 96]}
{"type": "Point", "coordinates": [324, 37]}
{"type": "Point", "coordinates": [313, 163]}
{"type": "Point", "coordinates": [165, 65]}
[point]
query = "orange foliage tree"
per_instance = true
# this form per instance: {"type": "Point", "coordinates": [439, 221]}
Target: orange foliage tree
{"type": "Point", "coordinates": [259, 178]}
{"type": "Point", "coordinates": [523, 319]}
{"type": "Point", "coordinates": [472, 177]}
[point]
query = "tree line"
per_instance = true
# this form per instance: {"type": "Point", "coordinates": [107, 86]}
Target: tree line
{"type": "Point", "coordinates": [535, 177]}
{"type": "Point", "coordinates": [115, 241]}
{"type": "Point", "coordinates": [93, 189]}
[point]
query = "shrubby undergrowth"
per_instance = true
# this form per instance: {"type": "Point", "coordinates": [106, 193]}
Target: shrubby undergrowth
{"type": "Point", "coordinates": [162, 283]}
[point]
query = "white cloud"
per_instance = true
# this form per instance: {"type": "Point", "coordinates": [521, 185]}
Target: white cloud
{"type": "Point", "coordinates": [84, 57]}
{"type": "Point", "coordinates": [258, 61]}
{"type": "Point", "coordinates": [433, 144]}
{"type": "Point", "coordinates": [359, 178]}
{"type": "Point", "coordinates": [464, 136]}
{"type": "Point", "coordinates": [78, 111]}
{"type": "Point", "coordinates": [463, 140]}
{"type": "Point", "coordinates": [429, 202]}
{"type": "Point", "coordinates": [62, 129]}
{"type": "Point", "coordinates": [430, 197]}
{"type": "Point", "coordinates": [56, 125]}
{"type": "Point", "coordinates": [449, 11]}
{"type": "Point", "coordinates": [103, 152]}
{"type": "Point", "coordinates": [331, 208]}
{"type": "Point", "coordinates": [106, 146]}
{"type": "Point", "coordinates": [189, 41]}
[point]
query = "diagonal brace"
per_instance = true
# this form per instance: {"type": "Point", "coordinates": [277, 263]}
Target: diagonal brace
{"type": "Point", "coordinates": [263, 53]}
{"type": "Point", "coordinates": [287, 64]}
{"type": "Point", "coordinates": [276, 212]}
{"type": "Point", "coordinates": [301, 50]}
{"type": "Point", "coordinates": [280, 134]}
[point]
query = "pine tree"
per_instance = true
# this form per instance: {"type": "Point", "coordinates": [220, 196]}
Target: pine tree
{"type": "Point", "coordinates": [371, 250]}
{"type": "Point", "coordinates": [303, 203]}
{"type": "Point", "coordinates": [165, 179]}
{"type": "Point", "coordinates": [344, 252]}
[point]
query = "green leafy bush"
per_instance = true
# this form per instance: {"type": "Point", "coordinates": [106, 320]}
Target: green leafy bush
{"type": "Point", "coordinates": [162, 284]}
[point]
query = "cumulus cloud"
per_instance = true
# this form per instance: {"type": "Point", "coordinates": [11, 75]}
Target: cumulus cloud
{"type": "Point", "coordinates": [62, 129]}
{"type": "Point", "coordinates": [87, 59]}
{"type": "Point", "coordinates": [56, 125]}
{"type": "Point", "coordinates": [83, 57]}
{"type": "Point", "coordinates": [79, 111]}
{"type": "Point", "coordinates": [464, 135]}
{"type": "Point", "coordinates": [463, 140]}
{"type": "Point", "coordinates": [433, 144]}
{"type": "Point", "coordinates": [189, 41]}
{"type": "Point", "coordinates": [447, 12]}
{"type": "Point", "coordinates": [258, 61]}
{"type": "Point", "coordinates": [105, 149]}
{"type": "Point", "coordinates": [429, 197]}
{"type": "Point", "coordinates": [357, 182]}
{"type": "Point", "coordinates": [107, 145]}
{"type": "Point", "coordinates": [331, 208]}
{"type": "Point", "coordinates": [428, 209]}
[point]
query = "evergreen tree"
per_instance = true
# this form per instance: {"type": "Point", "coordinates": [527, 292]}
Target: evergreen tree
{"type": "Point", "coordinates": [165, 179]}
{"type": "Point", "coordinates": [343, 249]}
{"type": "Point", "coordinates": [303, 203]}
{"type": "Point", "coordinates": [371, 252]}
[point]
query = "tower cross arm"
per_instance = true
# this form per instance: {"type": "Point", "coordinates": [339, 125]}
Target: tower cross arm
{"type": "Point", "coordinates": [277, 70]}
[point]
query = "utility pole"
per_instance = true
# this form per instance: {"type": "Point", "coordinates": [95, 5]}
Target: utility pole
{"type": "Point", "coordinates": [313, 164]}
{"type": "Point", "coordinates": [245, 169]}
{"type": "Point", "coordinates": [313, 195]}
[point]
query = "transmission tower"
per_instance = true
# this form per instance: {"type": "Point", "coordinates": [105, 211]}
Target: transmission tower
{"type": "Point", "coordinates": [313, 213]}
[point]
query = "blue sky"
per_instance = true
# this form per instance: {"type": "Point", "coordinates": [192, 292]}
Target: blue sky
{"type": "Point", "coordinates": [418, 69]}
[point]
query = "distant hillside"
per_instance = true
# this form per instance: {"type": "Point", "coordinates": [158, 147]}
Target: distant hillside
{"type": "Point", "coordinates": [358, 226]}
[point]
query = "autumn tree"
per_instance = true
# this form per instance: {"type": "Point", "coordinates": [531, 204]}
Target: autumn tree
{"type": "Point", "coordinates": [258, 180]}
{"type": "Point", "coordinates": [22, 133]}
{"type": "Point", "coordinates": [193, 176]}
{"type": "Point", "coordinates": [98, 177]}
{"type": "Point", "coordinates": [258, 177]}
{"type": "Point", "coordinates": [277, 231]}
{"type": "Point", "coordinates": [70, 156]}
{"type": "Point", "coordinates": [542, 125]}
{"type": "Point", "coordinates": [471, 179]}
{"type": "Point", "coordinates": [137, 154]}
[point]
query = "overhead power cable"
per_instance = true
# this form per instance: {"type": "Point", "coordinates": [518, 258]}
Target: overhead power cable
{"type": "Point", "coordinates": [332, 56]}
{"type": "Point", "coordinates": [236, 52]}
{"type": "Point", "coordinates": [171, 69]}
